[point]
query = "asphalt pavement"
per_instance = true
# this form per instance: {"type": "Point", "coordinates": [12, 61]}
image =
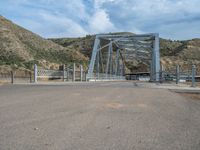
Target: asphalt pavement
{"type": "Point", "coordinates": [97, 116]}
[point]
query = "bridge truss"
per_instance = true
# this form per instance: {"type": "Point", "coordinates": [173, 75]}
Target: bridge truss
{"type": "Point", "coordinates": [110, 53]}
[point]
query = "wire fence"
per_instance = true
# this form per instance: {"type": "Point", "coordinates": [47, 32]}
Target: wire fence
{"type": "Point", "coordinates": [176, 74]}
{"type": "Point", "coordinates": [179, 74]}
{"type": "Point", "coordinates": [74, 73]}
{"type": "Point", "coordinates": [63, 74]}
{"type": "Point", "coordinates": [16, 76]}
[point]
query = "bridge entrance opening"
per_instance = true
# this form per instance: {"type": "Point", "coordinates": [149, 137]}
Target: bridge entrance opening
{"type": "Point", "coordinates": [112, 54]}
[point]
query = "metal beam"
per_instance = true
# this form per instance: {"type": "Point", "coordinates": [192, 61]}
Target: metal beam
{"type": "Point", "coordinates": [125, 35]}
{"type": "Point", "coordinates": [132, 46]}
{"type": "Point", "coordinates": [193, 75]}
{"type": "Point", "coordinates": [157, 57]}
{"type": "Point", "coordinates": [155, 63]}
{"type": "Point", "coordinates": [97, 63]}
{"type": "Point", "coordinates": [117, 62]}
{"type": "Point", "coordinates": [92, 62]}
{"type": "Point", "coordinates": [108, 58]}
{"type": "Point", "coordinates": [101, 58]}
{"type": "Point", "coordinates": [177, 74]}
{"type": "Point", "coordinates": [111, 60]}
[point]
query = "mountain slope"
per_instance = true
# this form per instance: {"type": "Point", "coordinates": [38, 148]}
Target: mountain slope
{"type": "Point", "coordinates": [22, 48]}
{"type": "Point", "coordinates": [184, 53]}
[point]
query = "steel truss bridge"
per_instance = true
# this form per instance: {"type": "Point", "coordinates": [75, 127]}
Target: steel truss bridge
{"type": "Point", "coordinates": [110, 53]}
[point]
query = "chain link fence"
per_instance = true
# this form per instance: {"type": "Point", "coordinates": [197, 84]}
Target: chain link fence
{"type": "Point", "coordinates": [65, 73]}
{"type": "Point", "coordinates": [73, 73]}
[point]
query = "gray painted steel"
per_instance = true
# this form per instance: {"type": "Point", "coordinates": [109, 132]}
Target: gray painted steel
{"type": "Point", "coordinates": [177, 74]}
{"type": "Point", "coordinates": [131, 46]}
{"type": "Point", "coordinates": [193, 75]}
{"type": "Point", "coordinates": [64, 73]}
{"type": "Point", "coordinates": [35, 73]}
{"type": "Point", "coordinates": [74, 72]}
{"type": "Point", "coordinates": [81, 70]}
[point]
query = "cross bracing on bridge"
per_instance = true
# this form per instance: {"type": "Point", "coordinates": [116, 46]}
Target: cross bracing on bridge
{"type": "Point", "coordinates": [111, 52]}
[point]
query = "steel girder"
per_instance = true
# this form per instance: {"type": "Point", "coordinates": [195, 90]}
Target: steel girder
{"type": "Point", "coordinates": [129, 45]}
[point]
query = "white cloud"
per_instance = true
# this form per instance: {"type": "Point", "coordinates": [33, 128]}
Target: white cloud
{"type": "Point", "coordinates": [150, 16]}
{"type": "Point", "coordinates": [54, 18]}
{"type": "Point", "coordinates": [62, 26]}
{"type": "Point", "coordinates": [100, 22]}
{"type": "Point", "coordinates": [76, 21]}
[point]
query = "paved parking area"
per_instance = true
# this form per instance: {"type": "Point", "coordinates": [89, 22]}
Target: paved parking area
{"type": "Point", "coordinates": [97, 116]}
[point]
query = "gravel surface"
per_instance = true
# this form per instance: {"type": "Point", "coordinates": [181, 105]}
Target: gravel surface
{"type": "Point", "coordinates": [101, 116]}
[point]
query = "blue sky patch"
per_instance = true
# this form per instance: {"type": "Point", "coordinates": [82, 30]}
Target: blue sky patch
{"type": "Point", "coordinates": [173, 19]}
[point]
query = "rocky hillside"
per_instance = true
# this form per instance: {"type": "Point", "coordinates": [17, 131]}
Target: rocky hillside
{"type": "Point", "coordinates": [184, 53]}
{"type": "Point", "coordinates": [22, 48]}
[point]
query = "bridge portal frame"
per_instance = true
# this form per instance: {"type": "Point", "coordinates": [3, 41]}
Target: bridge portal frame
{"type": "Point", "coordinates": [155, 53]}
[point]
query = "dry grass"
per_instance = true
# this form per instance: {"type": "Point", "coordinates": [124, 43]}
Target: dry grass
{"type": "Point", "coordinates": [23, 48]}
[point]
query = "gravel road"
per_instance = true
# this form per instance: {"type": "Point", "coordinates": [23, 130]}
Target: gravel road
{"type": "Point", "coordinates": [101, 116]}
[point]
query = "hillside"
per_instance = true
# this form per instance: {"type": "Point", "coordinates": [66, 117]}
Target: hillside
{"type": "Point", "coordinates": [184, 53]}
{"type": "Point", "coordinates": [22, 48]}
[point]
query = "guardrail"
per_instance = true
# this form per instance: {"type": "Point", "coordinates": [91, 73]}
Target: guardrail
{"type": "Point", "coordinates": [104, 77]}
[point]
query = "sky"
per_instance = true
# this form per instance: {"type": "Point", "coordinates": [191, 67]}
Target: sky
{"type": "Point", "coordinates": [172, 19]}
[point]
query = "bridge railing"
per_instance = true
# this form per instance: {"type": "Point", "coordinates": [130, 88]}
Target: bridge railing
{"type": "Point", "coordinates": [104, 77]}
{"type": "Point", "coordinates": [179, 74]}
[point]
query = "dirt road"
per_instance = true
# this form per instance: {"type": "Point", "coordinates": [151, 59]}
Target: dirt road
{"type": "Point", "coordinates": [102, 116]}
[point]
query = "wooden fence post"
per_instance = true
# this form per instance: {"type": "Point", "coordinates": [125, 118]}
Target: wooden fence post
{"type": "Point", "coordinates": [64, 73]}
{"type": "Point", "coordinates": [35, 73]}
{"type": "Point", "coordinates": [30, 75]}
{"type": "Point", "coordinates": [12, 77]}
{"type": "Point", "coordinates": [81, 71]}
